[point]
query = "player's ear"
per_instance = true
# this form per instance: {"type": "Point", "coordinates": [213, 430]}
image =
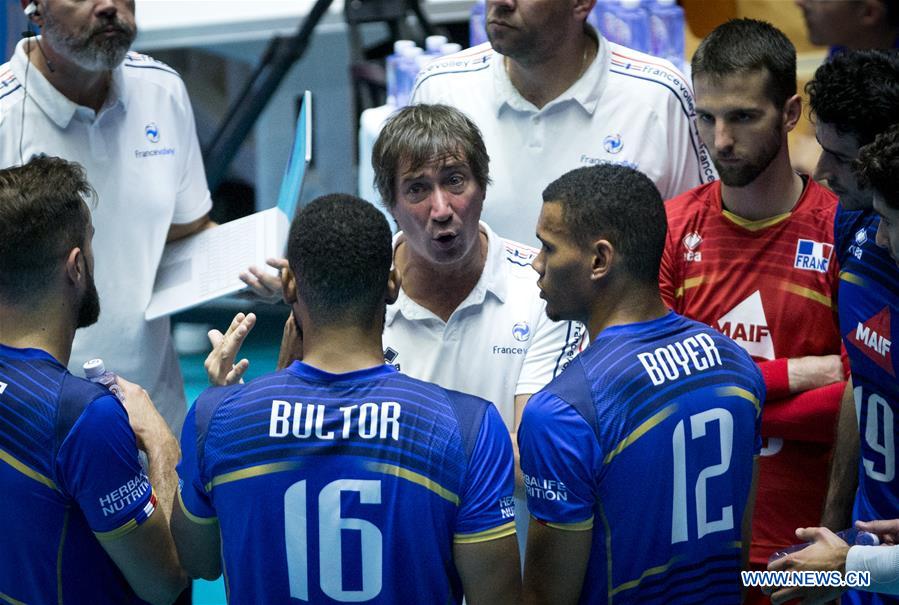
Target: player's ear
{"type": "Point", "coordinates": [394, 281]}
{"type": "Point", "coordinates": [76, 265]}
{"type": "Point", "coordinates": [792, 112]}
{"type": "Point", "coordinates": [288, 286]}
{"type": "Point", "coordinates": [603, 255]}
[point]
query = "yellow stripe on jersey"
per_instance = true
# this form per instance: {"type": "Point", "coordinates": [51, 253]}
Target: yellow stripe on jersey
{"type": "Point", "coordinates": [494, 533]}
{"type": "Point", "coordinates": [115, 534]}
{"type": "Point", "coordinates": [853, 278]}
{"type": "Point", "coordinates": [807, 293]}
{"type": "Point", "coordinates": [193, 517]}
{"type": "Point", "coordinates": [418, 479]}
{"type": "Point", "coordinates": [640, 431]}
{"type": "Point", "coordinates": [652, 571]}
{"type": "Point", "coordinates": [579, 526]}
{"type": "Point", "coordinates": [608, 530]}
{"type": "Point", "coordinates": [25, 469]}
{"type": "Point", "coordinates": [688, 284]}
{"type": "Point", "coordinates": [62, 543]}
{"type": "Point", "coordinates": [11, 600]}
{"type": "Point", "coordinates": [740, 392]}
{"type": "Point", "coordinates": [253, 471]}
{"type": "Point", "coordinates": [755, 225]}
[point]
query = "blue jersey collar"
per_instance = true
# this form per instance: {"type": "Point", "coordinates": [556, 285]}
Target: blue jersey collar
{"type": "Point", "coordinates": [306, 371]}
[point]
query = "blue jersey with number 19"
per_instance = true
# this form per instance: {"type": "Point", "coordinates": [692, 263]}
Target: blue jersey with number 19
{"type": "Point", "coordinates": [869, 308]}
{"type": "Point", "coordinates": [648, 439]}
{"type": "Point", "coordinates": [335, 488]}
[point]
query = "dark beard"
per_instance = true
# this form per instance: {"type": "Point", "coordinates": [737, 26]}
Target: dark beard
{"type": "Point", "coordinates": [89, 310]}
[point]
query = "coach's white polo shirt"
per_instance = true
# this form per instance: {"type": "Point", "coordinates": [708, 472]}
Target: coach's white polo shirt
{"type": "Point", "coordinates": [497, 344]}
{"type": "Point", "coordinates": [628, 108]}
{"type": "Point", "coordinates": [141, 155]}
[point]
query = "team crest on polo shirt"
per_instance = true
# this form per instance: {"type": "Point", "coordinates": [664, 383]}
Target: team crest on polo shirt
{"type": "Point", "coordinates": [152, 132]}
{"type": "Point", "coordinates": [521, 331]}
{"type": "Point", "coordinates": [812, 256]}
{"type": "Point", "coordinates": [612, 143]}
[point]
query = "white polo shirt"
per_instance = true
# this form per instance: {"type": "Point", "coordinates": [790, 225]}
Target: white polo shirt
{"type": "Point", "coordinates": [141, 155]}
{"type": "Point", "coordinates": [628, 108]}
{"type": "Point", "coordinates": [497, 344]}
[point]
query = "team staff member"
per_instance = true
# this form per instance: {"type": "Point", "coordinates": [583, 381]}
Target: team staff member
{"type": "Point", "coordinates": [275, 471]}
{"type": "Point", "coordinates": [469, 315]}
{"type": "Point", "coordinates": [76, 92]}
{"type": "Point", "coordinates": [550, 94]}
{"type": "Point", "coordinates": [82, 521]}
{"type": "Point", "coordinates": [659, 410]}
{"type": "Point", "coordinates": [752, 255]}
{"type": "Point", "coordinates": [854, 97]}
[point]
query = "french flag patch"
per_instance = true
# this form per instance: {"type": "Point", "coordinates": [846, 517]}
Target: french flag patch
{"type": "Point", "coordinates": [148, 509]}
{"type": "Point", "coordinates": [812, 256]}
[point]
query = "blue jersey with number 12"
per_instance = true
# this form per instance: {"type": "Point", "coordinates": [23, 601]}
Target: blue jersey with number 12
{"type": "Point", "coordinates": [337, 488]}
{"type": "Point", "coordinates": [648, 439]}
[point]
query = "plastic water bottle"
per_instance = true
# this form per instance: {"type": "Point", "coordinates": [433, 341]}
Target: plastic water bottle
{"type": "Point", "coordinates": [391, 68]}
{"type": "Point", "coordinates": [851, 536]}
{"type": "Point", "coordinates": [595, 16]}
{"type": "Point", "coordinates": [433, 44]}
{"type": "Point", "coordinates": [406, 72]}
{"type": "Point", "coordinates": [450, 48]}
{"type": "Point", "coordinates": [666, 31]}
{"type": "Point", "coordinates": [477, 23]}
{"type": "Point", "coordinates": [95, 371]}
{"type": "Point", "coordinates": [626, 23]}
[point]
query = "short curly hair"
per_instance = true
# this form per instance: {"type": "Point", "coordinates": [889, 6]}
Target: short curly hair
{"type": "Point", "coordinates": [877, 166]}
{"type": "Point", "coordinates": [417, 135]}
{"type": "Point", "coordinates": [857, 92]}
{"type": "Point", "coordinates": [340, 251]}
{"type": "Point", "coordinates": [620, 204]}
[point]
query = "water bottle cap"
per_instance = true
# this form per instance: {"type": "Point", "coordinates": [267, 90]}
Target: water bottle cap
{"type": "Point", "coordinates": [400, 44]}
{"type": "Point", "coordinates": [94, 368]}
{"type": "Point", "coordinates": [433, 43]}
{"type": "Point", "coordinates": [630, 3]}
{"type": "Point", "coordinates": [410, 51]}
{"type": "Point", "coordinates": [450, 48]}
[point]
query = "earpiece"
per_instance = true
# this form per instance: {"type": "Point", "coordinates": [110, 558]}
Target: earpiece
{"type": "Point", "coordinates": [31, 9]}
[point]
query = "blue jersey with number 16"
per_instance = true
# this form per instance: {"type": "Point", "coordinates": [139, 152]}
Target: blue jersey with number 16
{"type": "Point", "coordinates": [339, 488]}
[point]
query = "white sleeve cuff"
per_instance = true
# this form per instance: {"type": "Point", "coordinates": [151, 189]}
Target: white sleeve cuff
{"type": "Point", "coordinates": [881, 561]}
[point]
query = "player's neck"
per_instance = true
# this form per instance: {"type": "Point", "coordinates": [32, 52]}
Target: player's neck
{"type": "Point", "coordinates": [440, 288]}
{"type": "Point", "coordinates": [83, 87]}
{"type": "Point", "coordinates": [774, 192]}
{"type": "Point", "coordinates": [542, 81]}
{"type": "Point", "coordinates": [625, 304]}
{"type": "Point", "coordinates": [33, 329]}
{"type": "Point", "coordinates": [341, 349]}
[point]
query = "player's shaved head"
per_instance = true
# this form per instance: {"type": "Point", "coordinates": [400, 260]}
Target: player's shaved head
{"type": "Point", "coordinates": [340, 251]}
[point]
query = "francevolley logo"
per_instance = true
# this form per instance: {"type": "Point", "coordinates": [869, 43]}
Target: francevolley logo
{"type": "Point", "coordinates": [151, 131]}
{"type": "Point", "coordinates": [521, 331]}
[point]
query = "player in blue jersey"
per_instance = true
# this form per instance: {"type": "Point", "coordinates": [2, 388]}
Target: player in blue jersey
{"type": "Point", "coordinates": [81, 519]}
{"type": "Point", "coordinates": [877, 169]}
{"type": "Point", "coordinates": [639, 458]}
{"type": "Point", "coordinates": [853, 97]}
{"type": "Point", "coordinates": [338, 479]}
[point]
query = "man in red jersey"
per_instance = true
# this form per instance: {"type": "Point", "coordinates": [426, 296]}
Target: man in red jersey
{"type": "Point", "coordinates": [752, 255]}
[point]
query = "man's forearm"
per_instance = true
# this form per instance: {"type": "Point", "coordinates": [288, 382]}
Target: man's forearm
{"type": "Point", "coordinates": [162, 461]}
{"type": "Point", "coordinates": [843, 467]}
